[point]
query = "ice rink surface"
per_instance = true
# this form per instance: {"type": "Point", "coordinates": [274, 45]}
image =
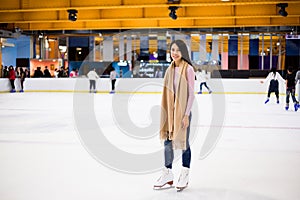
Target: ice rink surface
{"type": "Point", "coordinates": [256, 156]}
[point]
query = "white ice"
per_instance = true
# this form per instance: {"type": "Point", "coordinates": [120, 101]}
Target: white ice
{"type": "Point", "coordinates": [42, 156]}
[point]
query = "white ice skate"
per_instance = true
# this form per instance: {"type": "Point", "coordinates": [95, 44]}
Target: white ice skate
{"type": "Point", "coordinates": [165, 181]}
{"type": "Point", "coordinates": [183, 180]}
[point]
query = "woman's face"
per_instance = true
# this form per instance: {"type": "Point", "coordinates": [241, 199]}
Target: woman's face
{"type": "Point", "coordinates": [175, 53]}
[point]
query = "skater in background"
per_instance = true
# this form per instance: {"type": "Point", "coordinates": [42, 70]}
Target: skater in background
{"type": "Point", "coordinates": [297, 83]}
{"type": "Point", "coordinates": [55, 73]}
{"type": "Point", "coordinates": [290, 89]}
{"type": "Point", "coordinates": [92, 76]}
{"type": "Point", "coordinates": [47, 72]}
{"type": "Point", "coordinates": [21, 75]}
{"type": "Point", "coordinates": [202, 77]}
{"type": "Point", "coordinates": [113, 79]}
{"type": "Point", "coordinates": [38, 73]}
{"type": "Point", "coordinates": [273, 79]}
{"type": "Point", "coordinates": [158, 73]}
{"type": "Point", "coordinates": [5, 72]}
{"type": "Point", "coordinates": [74, 73]}
{"type": "Point", "coordinates": [177, 101]}
{"type": "Point", "coordinates": [12, 77]}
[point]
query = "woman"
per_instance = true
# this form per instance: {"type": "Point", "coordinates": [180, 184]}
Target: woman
{"type": "Point", "coordinates": [113, 78]}
{"type": "Point", "coordinates": [12, 77]}
{"type": "Point", "coordinates": [290, 89]}
{"type": "Point", "coordinates": [202, 77]}
{"type": "Point", "coordinates": [92, 76]}
{"type": "Point", "coordinates": [21, 75]}
{"type": "Point", "coordinates": [273, 79]}
{"type": "Point", "coordinates": [177, 100]}
{"type": "Point", "coordinates": [297, 80]}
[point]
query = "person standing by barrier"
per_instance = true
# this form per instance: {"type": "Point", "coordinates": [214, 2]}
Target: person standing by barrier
{"type": "Point", "coordinates": [297, 83]}
{"type": "Point", "coordinates": [273, 79]}
{"type": "Point", "coordinates": [47, 72]}
{"type": "Point", "coordinates": [21, 76]}
{"type": "Point", "coordinates": [158, 73]}
{"type": "Point", "coordinates": [12, 77]}
{"type": "Point", "coordinates": [113, 79]}
{"type": "Point", "coordinates": [177, 100]}
{"type": "Point", "coordinates": [290, 89]}
{"type": "Point", "coordinates": [5, 73]}
{"type": "Point", "coordinates": [92, 76]}
{"type": "Point", "coordinates": [74, 73]}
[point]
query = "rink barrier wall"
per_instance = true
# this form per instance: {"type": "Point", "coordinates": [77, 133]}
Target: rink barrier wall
{"type": "Point", "coordinates": [135, 85]}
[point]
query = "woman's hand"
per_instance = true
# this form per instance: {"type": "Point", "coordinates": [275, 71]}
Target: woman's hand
{"type": "Point", "coordinates": [185, 121]}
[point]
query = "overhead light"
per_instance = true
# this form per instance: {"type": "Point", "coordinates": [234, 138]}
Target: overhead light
{"type": "Point", "coordinates": [282, 10]}
{"type": "Point", "coordinates": [72, 14]}
{"type": "Point", "coordinates": [172, 13]}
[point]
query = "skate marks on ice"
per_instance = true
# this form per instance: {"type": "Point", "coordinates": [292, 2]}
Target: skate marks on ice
{"type": "Point", "coordinates": [190, 193]}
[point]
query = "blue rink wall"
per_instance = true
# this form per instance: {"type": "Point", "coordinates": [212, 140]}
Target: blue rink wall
{"type": "Point", "coordinates": [136, 85]}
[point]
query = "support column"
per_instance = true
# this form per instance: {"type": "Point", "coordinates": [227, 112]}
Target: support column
{"type": "Point", "coordinates": [254, 52]}
{"type": "Point", "coordinates": [232, 51]}
{"type": "Point", "coordinates": [202, 48]}
{"type": "Point", "coordinates": [108, 49]}
{"type": "Point", "coordinates": [215, 48]}
{"type": "Point", "coordinates": [121, 48]}
{"type": "Point", "coordinates": [263, 52]}
{"type": "Point", "coordinates": [271, 51]}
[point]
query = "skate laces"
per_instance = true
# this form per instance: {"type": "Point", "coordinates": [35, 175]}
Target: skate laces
{"type": "Point", "coordinates": [165, 172]}
{"type": "Point", "coordinates": [183, 175]}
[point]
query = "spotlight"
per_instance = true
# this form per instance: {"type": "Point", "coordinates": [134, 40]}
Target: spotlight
{"type": "Point", "coordinates": [173, 12]}
{"type": "Point", "coordinates": [282, 10]}
{"type": "Point", "coordinates": [72, 14]}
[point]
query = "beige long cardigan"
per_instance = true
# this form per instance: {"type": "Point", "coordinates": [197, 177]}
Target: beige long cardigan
{"type": "Point", "coordinates": [174, 106]}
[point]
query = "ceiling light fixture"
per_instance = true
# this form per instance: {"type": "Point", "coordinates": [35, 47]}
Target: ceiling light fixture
{"type": "Point", "coordinates": [172, 13]}
{"type": "Point", "coordinates": [282, 10]}
{"type": "Point", "coordinates": [72, 15]}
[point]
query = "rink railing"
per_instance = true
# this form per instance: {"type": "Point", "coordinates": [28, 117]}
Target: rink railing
{"type": "Point", "coordinates": [135, 85]}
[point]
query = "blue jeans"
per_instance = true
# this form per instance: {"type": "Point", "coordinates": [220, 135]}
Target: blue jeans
{"type": "Point", "coordinates": [203, 83]}
{"type": "Point", "coordinates": [290, 91]}
{"type": "Point", "coordinates": [186, 154]}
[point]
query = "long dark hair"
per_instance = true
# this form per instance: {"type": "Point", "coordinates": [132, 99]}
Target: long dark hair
{"type": "Point", "coordinates": [183, 49]}
{"type": "Point", "coordinates": [274, 70]}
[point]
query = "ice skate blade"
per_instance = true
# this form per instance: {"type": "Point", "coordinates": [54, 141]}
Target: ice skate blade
{"type": "Point", "coordinates": [180, 189]}
{"type": "Point", "coordinates": [164, 187]}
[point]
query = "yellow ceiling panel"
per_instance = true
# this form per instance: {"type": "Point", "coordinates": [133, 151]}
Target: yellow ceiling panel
{"type": "Point", "coordinates": [10, 18]}
{"type": "Point", "coordinates": [293, 9]}
{"type": "Point", "coordinates": [9, 4]}
{"type": "Point", "coordinates": [25, 4]}
{"type": "Point", "coordinates": [80, 3]}
{"type": "Point", "coordinates": [255, 10]}
{"type": "Point", "coordinates": [121, 13]}
{"type": "Point", "coordinates": [253, 22]}
{"type": "Point", "coordinates": [124, 14]}
{"type": "Point", "coordinates": [88, 14]}
{"type": "Point", "coordinates": [285, 20]}
{"type": "Point", "coordinates": [209, 11]}
{"type": "Point", "coordinates": [156, 12]}
{"type": "Point", "coordinates": [213, 22]}
{"type": "Point", "coordinates": [139, 23]}
{"type": "Point", "coordinates": [143, 2]}
{"type": "Point", "coordinates": [40, 17]}
{"type": "Point", "coordinates": [103, 24]}
{"type": "Point", "coordinates": [176, 23]}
